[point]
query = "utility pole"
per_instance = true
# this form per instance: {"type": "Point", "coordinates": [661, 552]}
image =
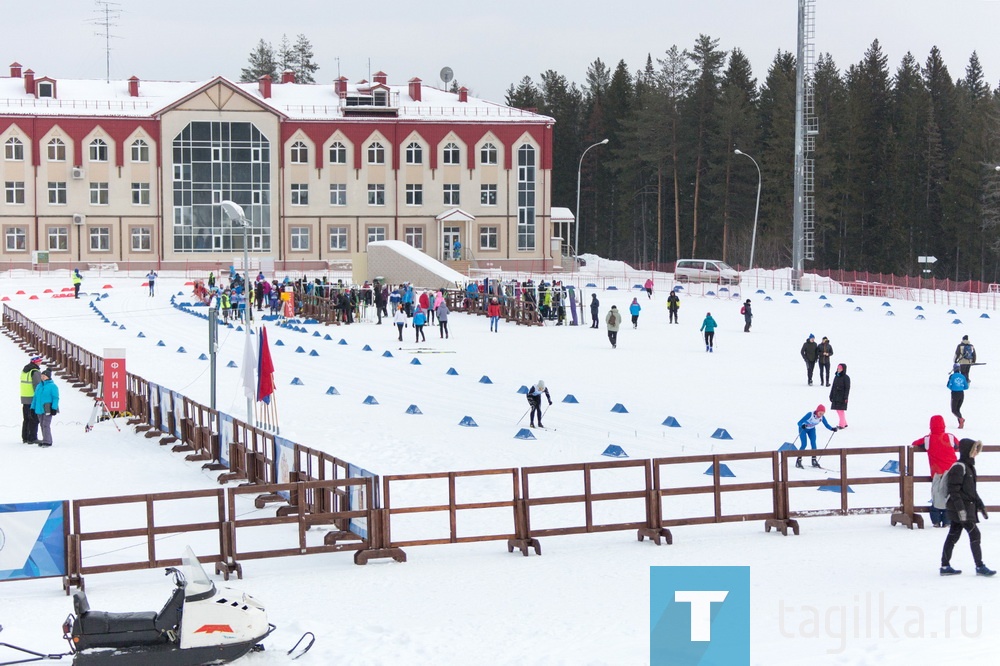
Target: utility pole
{"type": "Point", "coordinates": [108, 14]}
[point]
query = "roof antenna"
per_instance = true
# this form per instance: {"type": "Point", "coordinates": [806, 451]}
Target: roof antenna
{"type": "Point", "coordinates": [108, 14]}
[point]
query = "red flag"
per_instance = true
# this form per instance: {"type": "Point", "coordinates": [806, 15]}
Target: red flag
{"type": "Point", "coordinates": [265, 370]}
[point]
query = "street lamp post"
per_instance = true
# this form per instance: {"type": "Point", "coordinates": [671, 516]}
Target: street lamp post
{"type": "Point", "coordinates": [236, 216]}
{"type": "Point", "coordinates": [756, 210]}
{"type": "Point", "coordinates": [576, 234]}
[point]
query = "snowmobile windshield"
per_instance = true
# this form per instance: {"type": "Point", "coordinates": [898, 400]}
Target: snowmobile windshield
{"type": "Point", "coordinates": [199, 585]}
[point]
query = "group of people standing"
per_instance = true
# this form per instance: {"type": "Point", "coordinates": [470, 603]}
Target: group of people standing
{"type": "Point", "coordinates": [39, 402]}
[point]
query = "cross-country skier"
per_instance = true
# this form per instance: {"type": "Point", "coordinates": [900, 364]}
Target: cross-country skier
{"type": "Point", "coordinates": [807, 430]}
{"type": "Point", "coordinates": [535, 401]}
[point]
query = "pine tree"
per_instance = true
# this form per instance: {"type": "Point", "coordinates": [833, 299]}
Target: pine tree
{"type": "Point", "coordinates": [261, 61]}
{"type": "Point", "coordinates": [737, 111]}
{"type": "Point", "coordinates": [524, 96]}
{"type": "Point", "coordinates": [305, 67]}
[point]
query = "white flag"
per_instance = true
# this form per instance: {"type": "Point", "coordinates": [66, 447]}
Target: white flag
{"type": "Point", "coordinates": [250, 369]}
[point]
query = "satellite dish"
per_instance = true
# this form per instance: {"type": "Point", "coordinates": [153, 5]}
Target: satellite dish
{"type": "Point", "coordinates": [447, 75]}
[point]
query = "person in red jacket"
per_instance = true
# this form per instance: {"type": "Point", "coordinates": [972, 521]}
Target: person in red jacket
{"type": "Point", "coordinates": [940, 447]}
{"type": "Point", "coordinates": [493, 312]}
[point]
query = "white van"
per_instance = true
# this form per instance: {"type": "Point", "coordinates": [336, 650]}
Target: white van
{"type": "Point", "coordinates": [705, 270]}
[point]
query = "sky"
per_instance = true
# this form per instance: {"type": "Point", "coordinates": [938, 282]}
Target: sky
{"type": "Point", "coordinates": [846, 591]}
{"type": "Point", "coordinates": [489, 46]}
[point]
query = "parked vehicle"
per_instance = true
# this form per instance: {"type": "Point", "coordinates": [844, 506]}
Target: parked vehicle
{"type": "Point", "coordinates": [705, 270]}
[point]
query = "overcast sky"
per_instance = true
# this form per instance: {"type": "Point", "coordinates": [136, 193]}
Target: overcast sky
{"type": "Point", "coordinates": [489, 45]}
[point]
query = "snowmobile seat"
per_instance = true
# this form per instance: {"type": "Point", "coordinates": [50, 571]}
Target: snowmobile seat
{"type": "Point", "coordinates": [103, 629]}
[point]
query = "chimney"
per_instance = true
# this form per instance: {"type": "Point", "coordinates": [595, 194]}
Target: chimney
{"type": "Point", "coordinates": [29, 81]}
{"type": "Point", "coordinates": [340, 87]}
{"type": "Point", "coordinates": [133, 86]}
{"type": "Point", "coordinates": [15, 70]}
{"type": "Point", "coordinates": [288, 76]}
{"type": "Point", "coordinates": [415, 89]}
{"type": "Point", "coordinates": [380, 78]}
{"type": "Point", "coordinates": [264, 86]}
{"type": "Point", "coordinates": [463, 94]}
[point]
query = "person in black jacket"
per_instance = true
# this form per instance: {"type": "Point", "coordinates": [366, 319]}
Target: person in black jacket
{"type": "Point", "coordinates": [839, 393]}
{"type": "Point", "coordinates": [595, 310]}
{"type": "Point", "coordinates": [747, 312]}
{"type": "Point", "coordinates": [534, 396]}
{"type": "Point", "coordinates": [964, 505]}
{"type": "Point", "coordinates": [673, 304]}
{"type": "Point", "coordinates": [823, 353]}
{"type": "Point", "coordinates": [809, 354]}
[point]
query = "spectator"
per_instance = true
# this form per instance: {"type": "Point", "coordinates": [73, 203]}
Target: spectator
{"type": "Point", "coordinates": [839, 394]}
{"type": "Point", "coordinates": [649, 287]}
{"type": "Point", "coordinates": [940, 447]}
{"type": "Point", "coordinates": [493, 312]}
{"type": "Point", "coordinates": [824, 351]}
{"type": "Point", "coordinates": [809, 356]}
{"type": "Point", "coordinates": [957, 384]}
{"type": "Point", "coordinates": [400, 320]}
{"type": "Point", "coordinates": [594, 311]}
{"type": "Point", "coordinates": [45, 404]}
{"type": "Point", "coordinates": [76, 279]}
{"type": "Point", "coordinates": [614, 322]}
{"type": "Point", "coordinates": [633, 310]}
{"type": "Point", "coordinates": [673, 304]}
{"type": "Point", "coordinates": [442, 317]}
{"type": "Point", "coordinates": [31, 377]}
{"type": "Point", "coordinates": [419, 319]}
{"type": "Point", "coordinates": [964, 507]}
{"type": "Point", "coordinates": [708, 325]}
{"type": "Point", "coordinates": [747, 313]}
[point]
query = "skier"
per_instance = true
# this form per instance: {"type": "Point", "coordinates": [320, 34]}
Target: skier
{"type": "Point", "coordinates": [823, 353]}
{"type": "Point", "coordinates": [808, 353]}
{"type": "Point", "coordinates": [957, 384]}
{"type": "Point", "coordinates": [940, 447]}
{"type": "Point", "coordinates": [76, 279]}
{"type": "Point", "coordinates": [649, 287]}
{"type": "Point", "coordinates": [594, 311]}
{"type": "Point", "coordinates": [31, 377]}
{"type": "Point", "coordinates": [151, 279]}
{"type": "Point", "coordinates": [839, 394]}
{"type": "Point", "coordinates": [535, 401]}
{"type": "Point", "coordinates": [673, 304]}
{"type": "Point", "coordinates": [614, 322]}
{"type": "Point", "coordinates": [708, 325]}
{"type": "Point", "coordinates": [807, 431]}
{"type": "Point", "coordinates": [634, 309]}
{"type": "Point", "coordinates": [45, 404]}
{"type": "Point", "coordinates": [965, 355]}
{"type": "Point", "coordinates": [964, 505]}
{"type": "Point", "coordinates": [493, 312]}
{"type": "Point", "coordinates": [747, 313]}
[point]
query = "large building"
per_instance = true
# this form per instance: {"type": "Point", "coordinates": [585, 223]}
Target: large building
{"type": "Point", "coordinates": [134, 172]}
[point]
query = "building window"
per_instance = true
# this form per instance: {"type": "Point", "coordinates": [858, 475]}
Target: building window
{"type": "Point", "coordinates": [376, 153]}
{"type": "Point", "coordinates": [183, 216]}
{"type": "Point", "coordinates": [13, 150]}
{"type": "Point", "coordinates": [338, 153]}
{"type": "Point", "coordinates": [489, 238]}
{"type": "Point", "coordinates": [452, 155]}
{"type": "Point", "coordinates": [488, 195]}
{"type": "Point", "coordinates": [376, 195]}
{"type": "Point", "coordinates": [100, 239]}
{"type": "Point", "coordinates": [98, 151]}
{"type": "Point", "coordinates": [300, 239]}
{"type": "Point", "coordinates": [57, 193]}
{"type": "Point", "coordinates": [376, 234]}
{"type": "Point", "coordinates": [414, 195]}
{"type": "Point", "coordinates": [142, 239]}
{"type": "Point", "coordinates": [451, 197]}
{"type": "Point", "coordinates": [338, 239]}
{"type": "Point", "coordinates": [58, 239]}
{"type": "Point", "coordinates": [526, 198]}
{"type": "Point", "coordinates": [99, 194]}
{"type": "Point", "coordinates": [56, 151]}
{"type": "Point", "coordinates": [338, 194]}
{"type": "Point", "coordinates": [140, 194]}
{"type": "Point", "coordinates": [14, 191]}
{"type": "Point", "coordinates": [488, 154]}
{"type": "Point", "coordinates": [414, 237]}
{"type": "Point", "coordinates": [300, 194]}
{"type": "Point", "coordinates": [300, 153]}
{"type": "Point", "coordinates": [46, 89]}
{"type": "Point", "coordinates": [414, 153]}
{"type": "Point", "coordinates": [140, 151]}
{"type": "Point", "coordinates": [16, 239]}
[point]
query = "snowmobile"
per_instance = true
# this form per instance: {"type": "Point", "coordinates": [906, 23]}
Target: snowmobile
{"type": "Point", "coordinates": [199, 625]}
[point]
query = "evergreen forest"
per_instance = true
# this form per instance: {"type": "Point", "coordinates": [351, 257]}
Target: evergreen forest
{"type": "Point", "coordinates": [905, 160]}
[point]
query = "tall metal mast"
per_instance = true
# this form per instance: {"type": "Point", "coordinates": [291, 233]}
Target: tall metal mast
{"type": "Point", "coordinates": [806, 128]}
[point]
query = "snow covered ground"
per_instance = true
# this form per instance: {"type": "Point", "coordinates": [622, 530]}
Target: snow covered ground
{"type": "Point", "coordinates": [849, 590]}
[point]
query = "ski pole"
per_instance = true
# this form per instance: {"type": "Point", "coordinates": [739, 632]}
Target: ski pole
{"type": "Point", "coordinates": [829, 440]}
{"type": "Point", "coordinates": [522, 417]}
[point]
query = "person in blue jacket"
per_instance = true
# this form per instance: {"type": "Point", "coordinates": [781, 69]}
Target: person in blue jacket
{"type": "Point", "coordinates": [419, 319]}
{"type": "Point", "coordinates": [634, 311]}
{"type": "Point", "coordinates": [45, 404]}
{"type": "Point", "coordinates": [807, 431]}
{"type": "Point", "coordinates": [708, 326]}
{"type": "Point", "coordinates": [957, 384]}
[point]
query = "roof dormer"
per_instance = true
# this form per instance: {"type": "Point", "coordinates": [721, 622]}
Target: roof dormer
{"type": "Point", "coordinates": [45, 88]}
{"type": "Point", "coordinates": [380, 77]}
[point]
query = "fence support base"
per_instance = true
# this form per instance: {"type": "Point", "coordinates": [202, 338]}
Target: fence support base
{"type": "Point", "coordinates": [263, 500]}
{"type": "Point", "coordinates": [908, 519]}
{"type": "Point", "coordinates": [523, 545]}
{"type": "Point", "coordinates": [229, 568]}
{"type": "Point", "coordinates": [363, 556]}
{"type": "Point", "coordinates": [782, 525]}
{"type": "Point", "coordinates": [654, 534]}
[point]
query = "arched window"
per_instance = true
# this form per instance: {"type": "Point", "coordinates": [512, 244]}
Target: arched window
{"type": "Point", "coordinates": [488, 154]}
{"type": "Point", "coordinates": [338, 153]}
{"type": "Point", "coordinates": [376, 153]}
{"type": "Point", "coordinates": [56, 151]}
{"type": "Point", "coordinates": [300, 153]}
{"type": "Point", "coordinates": [140, 151]}
{"type": "Point", "coordinates": [98, 151]}
{"type": "Point", "coordinates": [452, 155]}
{"type": "Point", "coordinates": [414, 153]}
{"type": "Point", "coordinates": [13, 150]}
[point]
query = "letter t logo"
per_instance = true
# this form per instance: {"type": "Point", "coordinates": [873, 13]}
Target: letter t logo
{"type": "Point", "coordinates": [701, 610]}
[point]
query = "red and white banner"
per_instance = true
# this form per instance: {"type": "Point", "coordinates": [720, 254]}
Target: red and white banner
{"type": "Point", "coordinates": [115, 396]}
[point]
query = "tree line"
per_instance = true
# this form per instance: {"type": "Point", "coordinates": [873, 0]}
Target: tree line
{"type": "Point", "coordinates": [266, 59]}
{"type": "Point", "coordinates": [904, 160]}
